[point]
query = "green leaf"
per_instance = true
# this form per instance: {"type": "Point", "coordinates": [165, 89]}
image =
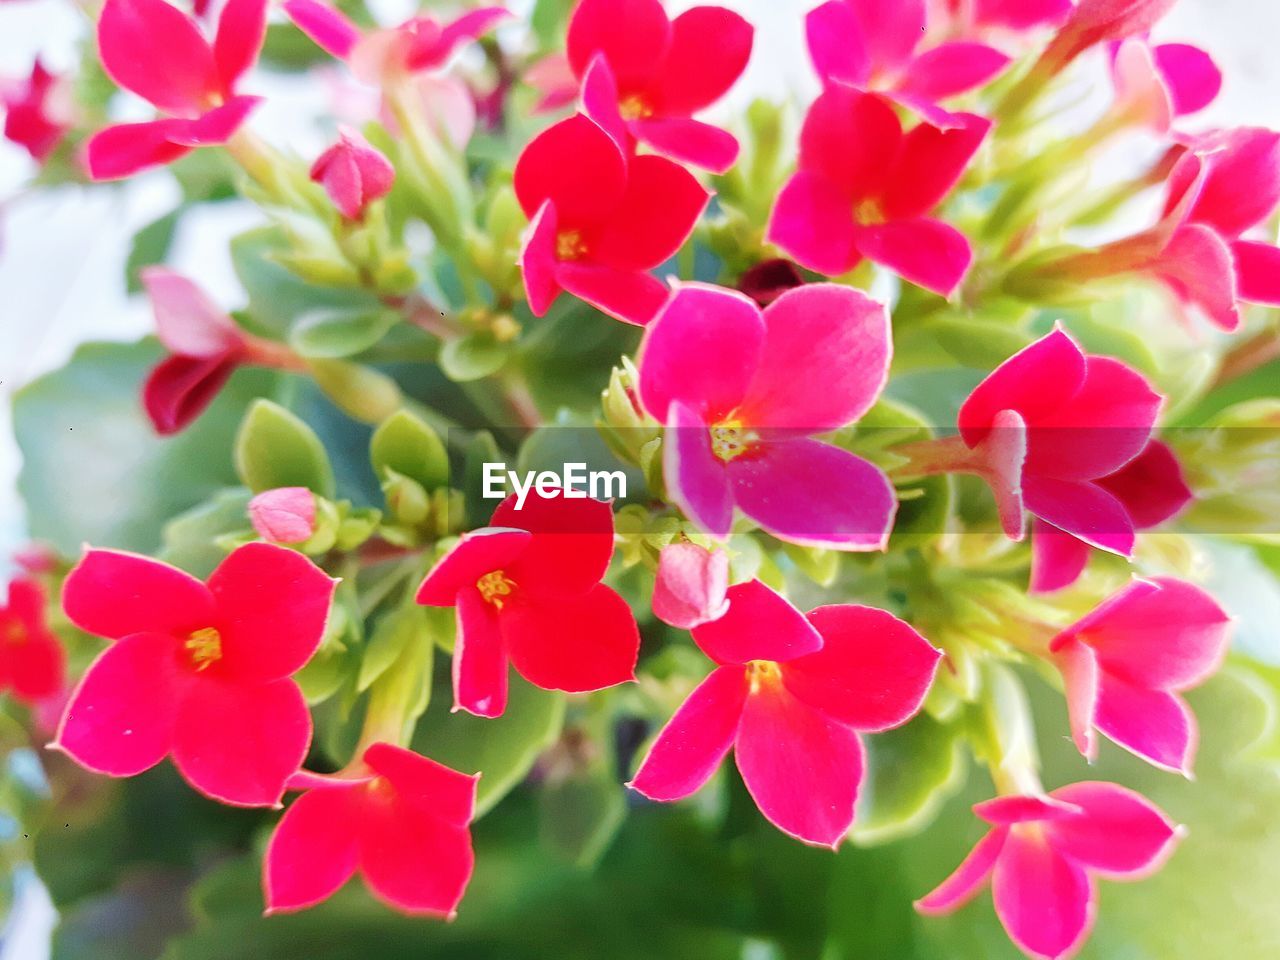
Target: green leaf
{"type": "Point", "coordinates": [339, 333]}
{"type": "Point", "coordinates": [150, 246]}
{"type": "Point", "coordinates": [579, 816]}
{"type": "Point", "coordinates": [405, 444]}
{"type": "Point", "coordinates": [983, 344]}
{"type": "Point", "coordinates": [188, 539]}
{"type": "Point", "coordinates": [474, 356]}
{"type": "Point", "coordinates": [482, 449]}
{"type": "Point", "coordinates": [274, 448]}
{"type": "Point", "coordinates": [93, 469]}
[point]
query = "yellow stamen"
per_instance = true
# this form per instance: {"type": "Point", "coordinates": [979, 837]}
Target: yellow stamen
{"type": "Point", "coordinates": [635, 107]}
{"type": "Point", "coordinates": [868, 212]}
{"type": "Point", "coordinates": [494, 587]}
{"type": "Point", "coordinates": [730, 440]}
{"type": "Point", "coordinates": [570, 245]}
{"type": "Point", "coordinates": [205, 647]}
{"type": "Point", "coordinates": [761, 673]}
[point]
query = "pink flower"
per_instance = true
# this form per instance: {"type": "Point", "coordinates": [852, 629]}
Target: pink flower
{"type": "Point", "coordinates": [691, 585]}
{"type": "Point", "coordinates": [38, 111]}
{"type": "Point", "coordinates": [32, 662]}
{"type": "Point", "coordinates": [979, 17]}
{"type": "Point", "coordinates": [353, 173]}
{"type": "Point", "coordinates": [600, 220]}
{"type": "Point", "coordinates": [1099, 21]}
{"type": "Point", "coordinates": [553, 78]}
{"type": "Point", "coordinates": [644, 76]}
{"type": "Point", "coordinates": [151, 48]}
{"type": "Point", "coordinates": [872, 45]}
{"type": "Point", "coordinates": [1125, 663]}
{"type": "Point", "coordinates": [197, 671]}
{"type": "Point", "coordinates": [527, 592]}
{"type": "Point", "coordinates": [1085, 417]}
{"type": "Point", "coordinates": [864, 189]}
{"type": "Point", "coordinates": [1151, 488]}
{"type": "Point", "coordinates": [789, 695]}
{"type": "Point", "coordinates": [418, 44]}
{"type": "Point", "coordinates": [741, 393]}
{"type": "Point", "coordinates": [284, 515]}
{"type": "Point", "coordinates": [1157, 84]}
{"type": "Point", "coordinates": [1043, 854]}
{"type": "Point", "coordinates": [404, 825]}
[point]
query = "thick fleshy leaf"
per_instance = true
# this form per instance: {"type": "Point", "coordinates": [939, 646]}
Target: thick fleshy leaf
{"type": "Point", "coordinates": [812, 493]}
{"type": "Point", "coordinates": [709, 49]}
{"type": "Point", "coordinates": [538, 260]}
{"type": "Point", "coordinates": [273, 604]}
{"type": "Point", "coordinates": [850, 138]}
{"type": "Point", "coordinates": [242, 28]}
{"type": "Point", "coordinates": [479, 658]}
{"type": "Point", "coordinates": [631, 296]}
{"type": "Point", "coordinates": [239, 743]}
{"type": "Point", "coordinates": [574, 644]}
{"type": "Point", "coordinates": [1151, 486]}
{"type": "Point", "coordinates": [577, 166]}
{"type": "Point", "coordinates": [1193, 79]}
{"type": "Point", "coordinates": [701, 350]}
{"type": "Point", "coordinates": [696, 479]}
{"type": "Point", "coordinates": [112, 594]}
{"type": "Point", "coordinates": [313, 851]}
{"type": "Point", "coordinates": [1057, 558]}
{"type": "Point", "coordinates": [690, 747]}
{"type": "Point", "coordinates": [1197, 265]}
{"type": "Point", "coordinates": [187, 321]}
{"type": "Point", "coordinates": [759, 625]}
{"type": "Point", "coordinates": [1083, 509]}
{"type": "Point", "coordinates": [812, 220]}
{"type": "Point", "coordinates": [689, 141]}
{"type": "Point", "coordinates": [120, 718]}
{"type": "Point", "coordinates": [1032, 382]}
{"type": "Point", "coordinates": [950, 69]}
{"type": "Point", "coordinates": [632, 34]}
{"type": "Point", "coordinates": [930, 163]}
{"type": "Point", "coordinates": [1257, 272]}
{"type": "Point", "coordinates": [477, 553]}
{"type": "Point", "coordinates": [837, 44]}
{"type": "Point", "coordinates": [329, 28]}
{"type": "Point", "coordinates": [654, 216]}
{"type": "Point", "coordinates": [417, 864]}
{"type": "Point", "coordinates": [840, 337]}
{"type": "Point", "coordinates": [434, 789]}
{"type": "Point", "coordinates": [691, 585]}
{"type": "Point", "coordinates": [122, 150]}
{"type": "Point", "coordinates": [1156, 725]}
{"type": "Point", "coordinates": [929, 253]}
{"type": "Point", "coordinates": [967, 880]}
{"type": "Point", "coordinates": [155, 50]}
{"type": "Point", "coordinates": [801, 768]}
{"type": "Point", "coordinates": [872, 671]}
{"type": "Point", "coordinates": [1044, 900]}
{"type": "Point", "coordinates": [1080, 680]}
{"type": "Point", "coordinates": [570, 545]}
{"type": "Point", "coordinates": [1120, 833]}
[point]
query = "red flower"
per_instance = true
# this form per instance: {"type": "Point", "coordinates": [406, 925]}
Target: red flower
{"type": "Point", "coordinates": [644, 76]}
{"type": "Point", "coordinates": [865, 189]}
{"type": "Point", "coordinates": [198, 671]}
{"type": "Point", "coordinates": [527, 592]}
{"type": "Point", "coordinates": [404, 826]}
{"type": "Point", "coordinates": [600, 220]}
{"type": "Point", "coordinates": [32, 662]}
{"type": "Point", "coordinates": [38, 111]}
{"type": "Point", "coordinates": [789, 696]}
{"type": "Point", "coordinates": [353, 173]}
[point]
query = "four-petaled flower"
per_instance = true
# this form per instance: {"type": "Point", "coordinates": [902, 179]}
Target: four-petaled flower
{"type": "Point", "coordinates": [1157, 83]}
{"type": "Point", "coordinates": [527, 592]}
{"type": "Point", "coordinates": [32, 662]}
{"type": "Point", "coordinates": [38, 111]}
{"type": "Point", "coordinates": [789, 695]}
{"type": "Point", "coordinates": [403, 822]}
{"type": "Point", "coordinates": [600, 220]}
{"type": "Point", "coordinates": [153, 49]}
{"type": "Point", "coordinates": [1043, 853]}
{"type": "Point", "coordinates": [644, 76]}
{"type": "Point", "coordinates": [200, 671]}
{"type": "Point", "coordinates": [1124, 664]}
{"type": "Point", "coordinates": [864, 189]}
{"type": "Point", "coordinates": [723, 377]}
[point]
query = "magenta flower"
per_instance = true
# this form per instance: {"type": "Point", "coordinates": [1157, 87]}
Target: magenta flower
{"type": "Point", "coordinates": [1125, 663]}
{"type": "Point", "coordinates": [284, 515]}
{"type": "Point", "coordinates": [789, 695]}
{"type": "Point", "coordinates": [418, 44]}
{"type": "Point", "coordinates": [872, 45]}
{"type": "Point", "coordinates": [1043, 854]}
{"type": "Point", "coordinates": [644, 76]}
{"type": "Point", "coordinates": [33, 664]}
{"type": "Point", "coordinates": [865, 189]}
{"type": "Point", "coordinates": [403, 824]}
{"type": "Point", "coordinates": [38, 111]}
{"type": "Point", "coordinates": [353, 173]}
{"type": "Point", "coordinates": [153, 49]}
{"type": "Point", "coordinates": [742, 392]}
{"type": "Point", "coordinates": [1156, 84]}
{"type": "Point", "coordinates": [527, 592]}
{"type": "Point", "coordinates": [600, 220]}
{"type": "Point", "coordinates": [980, 17]}
{"type": "Point", "coordinates": [1151, 488]}
{"type": "Point", "coordinates": [553, 78]}
{"type": "Point", "coordinates": [691, 585]}
{"type": "Point", "coordinates": [1093, 22]}
{"type": "Point", "coordinates": [197, 671]}
{"type": "Point", "coordinates": [1085, 417]}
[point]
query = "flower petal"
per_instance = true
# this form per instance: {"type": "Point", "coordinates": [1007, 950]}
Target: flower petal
{"type": "Point", "coordinates": [709, 49]}
{"type": "Point", "coordinates": [1082, 509]}
{"type": "Point", "coordinates": [576, 644]}
{"type": "Point", "coordinates": [1044, 900]}
{"type": "Point", "coordinates": [1020, 14]}
{"type": "Point", "coordinates": [691, 585]}
{"type": "Point", "coordinates": [759, 625]}
{"type": "Point", "coordinates": [187, 321]}
{"type": "Point", "coordinates": [120, 718]}
{"type": "Point", "coordinates": [840, 337]}
{"type": "Point", "coordinates": [928, 253]}
{"type": "Point", "coordinates": [124, 149]}
{"type": "Point", "coordinates": [952, 68]}
{"type": "Point", "coordinates": [242, 29]}
{"type": "Point", "coordinates": [1032, 382]}
{"type": "Point", "coordinates": [1194, 80]}
{"type": "Point", "coordinates": [631, 296]}
{"type": "Point", "coordinates": [1057, 558]}
{"type": "Point", "coordinates": [1080, 678]}
{"type": "Point", "coordinates": [1242, 187]}
{"type": "Point", "coordinates": [872, 672]}
{"type": "Point", "coordinates": [538, 265]}
{"type": "Point", "coordinates": [892, 30]}
{"type": "Point", "coordinates": [465, 28]}
{"type": "Point", "coordinates": [1197, 266]}
{"type": "Point", "coordinates": [153, 49]}
{"type": "Point", "coordinates": [216, 127]}
{"type": "Point", "coordinates": [570, 544]}
{"type": "Point", "coordinates": [1151, 486]}
{"type": "Point", "coordinates": [179, 389]}
{"type": "Point", "coordinates": [930, 163]}
{"type": "Point", "coordinates": [239, 743]}
{"type": "Point", "coordinates": [837, 44]}
{"type": "Point", "coordinates": [1156, 725]}
{"type": "Point", "coordinates": [696, 479]}
{"type": "Point", "coordinates": [1006, 810]}
{"type": "Point", "coordinates": [478, 552]}
{"type": "Point", "coordinates": [313, 851]}
{"type": "Point", "coordinates": [653, 218]}
{"type": "Point", "coordinates": [802, 769]}
{"type": "Point", "coordinates": [812, 220]}
{"type": "Point", "coordinates": [689, 141]}
{"type": "Point", "coordinates": [273, 604]}
{"type": "Point", "coordinates": [632, 34]}
{"type": "Point", "coordinates": [689, 748]}
{"type": "Point", "coordinates": [112, 594]}
{"type": "Point", "coordinates": [479, 658]}
{"type": "Point", "coordinates": [812, 493]}
{"type": "Point", "coordinates": [850, 138]}
{"type": "Point", "coordinates": [329, 28]}
{"type": "Point", "coordinates": [1257, 272]}
{"type": "Point", "coordinates": [577, 166]}
{"type": "Point", "coordinates": [432, 788]}
{"type": "Point", "coordinates": [967, 880]}
{"type": "Point", "coordinates": [416, 864]}
{"type": "Point", "coordinates": [1120, 833]}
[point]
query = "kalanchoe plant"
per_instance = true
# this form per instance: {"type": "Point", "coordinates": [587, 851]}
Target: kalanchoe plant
{"type": "Point", "coordinates": [465, 549]}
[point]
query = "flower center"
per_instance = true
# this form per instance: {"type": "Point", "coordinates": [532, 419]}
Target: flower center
{"type": "Point", "coordinates": [763, 673]}
{"type": "Point", "coordinates": [730, 440]}
{"type": "Point", "coordinates": [495, 587]}
{"type": "Point", "coordinates": [634, 107]}
{"type": "Point", "coordinates": [204, 647]}
{"type": "Point", "coordinates": [867, 212]}
{"type": "Point", "coordinates": [570, 245]}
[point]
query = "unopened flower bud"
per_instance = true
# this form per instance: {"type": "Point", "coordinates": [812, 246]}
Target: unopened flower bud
{"type": "Point", "coordinates": [284, 515]}
{"type": "Point", "coordinates": [353, 173]}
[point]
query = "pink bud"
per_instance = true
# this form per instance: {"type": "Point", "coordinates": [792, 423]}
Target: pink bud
{"type": "Point", "coordinates": [284, 515]}
{"type": "Point", "coordinates": [353, 173]}
{"type": "Point", "coordinates": [691, 585]}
